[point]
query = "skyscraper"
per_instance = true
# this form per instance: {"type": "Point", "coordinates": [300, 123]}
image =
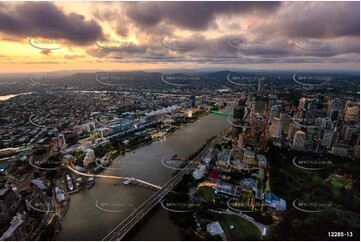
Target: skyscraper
{"type": "Point", "coordinates": [275, 112]}
{"type": "Point", "coordinates": [327, 138]}
{"type": "Point", "coordinates": [299, 141]}
{"type": "Point", "coordinates": [352, 112]}
{"type": "Point", "coordinates": [334, 114]}
{"type": "Point", "coordinates": [276, 128]}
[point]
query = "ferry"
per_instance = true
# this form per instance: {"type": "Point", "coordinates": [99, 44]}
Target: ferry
{"type": "Point", "coordinates": [127, 182]}
{"type": "Point", "coordinates": [90, 182]}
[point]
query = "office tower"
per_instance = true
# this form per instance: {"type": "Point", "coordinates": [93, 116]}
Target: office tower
{"type": "Point", "coordinates": [192, 98]}
{"type": "Point", "coordinates": [334, 104]}
{"type": "Point", "coordinates": [258, 104]}
{"type": "Point", "coordinates": [299, 140]}
{"type": "Point", "coordinates": [62, 139]}
{"type": "Point", "coordinates": [349, 132]}
{"type": "Point", "coordinates": [272, 100]}
{"type": "Point", "coordinates": [259, 85]}
{"type": "Point", "coordinates": [276, 128]}
{"type": "Point", "coordinates": [320, 101]}
{"type": "Point", "coordinates": [352, 112]}
{"type": "Point", "coordinates": [292, 130]}
{"type": "Point", "coordinates": [89, 157]}
{"type": "Point", "coordinates": [327, 123]}
{"type": "Point", "coordinates": [327, 139]}
{"type": "Point", "coordinates": [275, 112]}
{"type": "Point", "coordinates": [239, 113]}
{"type": "Point", "coordinates": [334, 114]}
{"type": "Point", "coordinates": [239, 110]}
{"type": "Point", "coordinates": [312, 134]}
{"type": "Point", "coordinates": [286, 121]}
{"type": "Point", "coordinates": [302, 103]}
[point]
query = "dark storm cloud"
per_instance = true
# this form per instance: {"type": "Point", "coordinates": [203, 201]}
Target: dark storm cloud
{"type": "Point", "coordinates": [122, 30]}
{"type": "Point", "coordinates": [219, 51]}
{"type": "Point", "coordinates": [331, 20]}
{"type": "Point", "coordinates": [44, 19]}
{"type": "Point", "coordinates": [314, 20]}
{"type": "Point", "coordinates": [192, 15]}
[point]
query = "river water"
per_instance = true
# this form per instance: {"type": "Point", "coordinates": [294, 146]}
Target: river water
{"type": "Point", "coordinates": [6, 97]}
{"type": "Point", "coordinates": [93, 213]}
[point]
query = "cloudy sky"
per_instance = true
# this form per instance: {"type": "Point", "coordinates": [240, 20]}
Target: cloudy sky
{"type": "Point", "coordinates": [46, 36]}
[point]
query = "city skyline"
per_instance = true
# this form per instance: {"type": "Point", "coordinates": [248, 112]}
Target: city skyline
{"type": "Point", "coordinates": [179, 121]}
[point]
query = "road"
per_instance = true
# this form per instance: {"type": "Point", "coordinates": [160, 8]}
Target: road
{"type": "Point", "coordinates": [127, 224]}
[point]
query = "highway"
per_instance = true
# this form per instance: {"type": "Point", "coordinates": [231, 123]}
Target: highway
{"type": "Point", "coordinates": [127, 224]}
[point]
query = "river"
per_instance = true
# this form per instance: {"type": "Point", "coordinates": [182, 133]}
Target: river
{"type": "Point", "coordinates": [6, 97]}
{"type": "Point", "coordinates": [93, 213]}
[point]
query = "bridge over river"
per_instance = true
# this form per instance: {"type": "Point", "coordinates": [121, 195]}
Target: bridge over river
{"type": "Point", "coordinates": [134, 180]}
{"type": "Point", "coordinates": [127, 224]}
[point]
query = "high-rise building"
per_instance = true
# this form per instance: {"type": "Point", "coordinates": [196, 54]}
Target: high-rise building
{"type": "Point", "coordinates": [255, 127]}
{"type": "Point", "coordinates": [334, 104]}
{"type": "Point", "coordinates": [259, 85]}
{"type": "Point", "coordinates": [276, 128]}
{"type": "Point", "coordinates": [327, 139]}
{"type": "Point", "coordinates": [327, 123]}
{"type": "Point", "coordinates": [272, 100]}
{"type": "Point", "coordinates": [239, 110]}
{"type": "Point", "coordinates": [71, 137]}
{"type": "Point", "coordinates": [89, 157]}
{"type": "Point", "coordinates": [192, 98]}
{"type": "Point", "coordinates": [286, 121]}
{"type": "Point", "coordinates": [292, 130]}
{"type": "Point", "coordinates": [351, 103]}
{"type": "Point", "coordinates": [334, 115]}
{"type": "Point", "coordinates": [349, 132]}
{"type": "Point", "coordinates": [299, 140]}
{"type": "Point", "coordinates": [241, 141]}
{"type": "Point", "coordinates": [302, 103]}
{"type": "Point", "coordinates": [88, 127]}
{"type": "Point", "coordinates": [258, 104]}
{"type": "Point", "coordinates": [239, 113]}
{"type": "Point", "coordinates": [275, 112]}
{"type": "Point", "coordinates": [62, 141]}
{"type": "Point", "coordinates": [352, 112]}
{"type": "Point", "coordinates": [312, 134]}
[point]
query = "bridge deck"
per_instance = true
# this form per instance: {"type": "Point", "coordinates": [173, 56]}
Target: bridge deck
{"type": "Point", "coordinates": [114, 177]}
